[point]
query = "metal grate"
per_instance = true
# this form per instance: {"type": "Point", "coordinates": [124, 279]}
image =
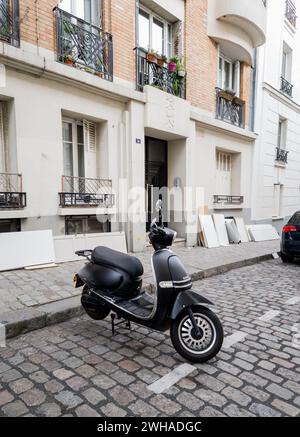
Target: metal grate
{"type": "Point", "coordinates": [86, 46]}
{"type": "Point", "coordinates": [286, 87]}
{"type": "Point", "coordinates": [230, 108]}
{"type": "Point", "coordinates": [9, 22]}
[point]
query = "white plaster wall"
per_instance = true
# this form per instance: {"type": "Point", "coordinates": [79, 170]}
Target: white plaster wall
{"type": "Point", "coordinates": [204, 162]}
{"type": "Point", "coordinates": [38, 106]}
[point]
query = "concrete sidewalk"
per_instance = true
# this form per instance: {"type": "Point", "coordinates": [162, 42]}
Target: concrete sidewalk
{"type": "Point", "coordinates": [34, 299]}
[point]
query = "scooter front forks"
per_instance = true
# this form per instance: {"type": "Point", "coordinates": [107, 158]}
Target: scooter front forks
{"type": "Point", "coordinates": [194, 323]}
{"type": "Point", "coordinates": [114, 317]}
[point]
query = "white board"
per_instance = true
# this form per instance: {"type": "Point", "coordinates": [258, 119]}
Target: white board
{"type": "Point", "coordinates": [240, 224]}
{"type": "Point", "coordinates": [25, 249]}
{"type": "Point", "coordinates": [233, 233]}
{"type": "Point", "coordinates": [66, 246]}
{"type": "Point", "coordinates": [209, 231]}
{"type": "Point", "coordinates": [263, 233]}
{"type": "Point", "coordinates": [220, 226]}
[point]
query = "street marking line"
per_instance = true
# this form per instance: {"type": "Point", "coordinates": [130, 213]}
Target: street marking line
{"type": "Point", "coordinates": [293, 300]}
{"type": "Point", "coordinates": [171, 378]}
{"type": "Point", "coordinates": [269, 316]}
{"type": "Point", "coordinates": [230, 340]}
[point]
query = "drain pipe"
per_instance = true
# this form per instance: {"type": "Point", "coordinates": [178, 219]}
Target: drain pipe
{"type": "Point", "coordinates": [253, 91]}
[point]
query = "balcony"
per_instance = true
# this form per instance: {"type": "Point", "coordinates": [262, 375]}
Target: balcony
{"type": "Point", "coordinates": [291, 13]}
{"type": "Point", "coordinates": [158, 76]}
{"type": "Point", "coordinates": [11, 192]}
{"type": "Point", "coordinates": [9, 22]}
{"type": "Point", "coordinates": [83, 45]}
{"type": "Point", "coordinates": [224, 202]}
{"type": "Point", "coordinates": [286, 87]}
{"type": "Point", "coordinates": [281, 156]}
{"type": "Point", "coordinates": [86, 193]}
{"type": "Point", "coordinates": [230, 108]}
{"type": "Point", "coordinates": [238, 26]}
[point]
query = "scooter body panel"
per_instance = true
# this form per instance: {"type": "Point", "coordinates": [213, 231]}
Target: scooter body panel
{"type": "Point", "coordinates": [187, 299]}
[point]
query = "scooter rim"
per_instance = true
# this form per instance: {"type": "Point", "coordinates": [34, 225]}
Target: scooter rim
{"type": "Point", "coordinates": [213, 334]}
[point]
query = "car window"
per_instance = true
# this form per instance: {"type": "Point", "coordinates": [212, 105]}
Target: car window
{"type": "Point", "coordinates": [295, 220]}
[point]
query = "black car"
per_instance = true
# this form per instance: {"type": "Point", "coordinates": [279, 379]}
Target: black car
{"type": "Point", "coordinates": [290, 240]}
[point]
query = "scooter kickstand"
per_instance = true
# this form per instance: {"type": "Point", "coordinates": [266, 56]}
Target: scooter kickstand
{"type": "Point", "coordinates": [113, 318]}
{"type": "Point", "coordinates": [128, 325]}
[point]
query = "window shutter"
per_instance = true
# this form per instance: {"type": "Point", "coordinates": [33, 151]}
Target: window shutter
{"type": "Point", "coordinates": [237, 77]}
{"type": "Point", "coordinates": [89, 136]}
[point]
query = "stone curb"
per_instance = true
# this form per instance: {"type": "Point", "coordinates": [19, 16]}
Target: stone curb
{"type": "Point", "coordinates": [26, 320]}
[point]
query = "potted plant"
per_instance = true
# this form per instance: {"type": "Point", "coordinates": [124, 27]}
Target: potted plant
{"type": "Point", "coordinates": [152, 56]}
{"type": "Point", "coordinates": [69, 60]}
{"type": "Point", "coordinates": [180, 69]}
{"type": "Point", "coordinates": [162, 60]}
{"type": "Point", "coordinates": [172, 65]}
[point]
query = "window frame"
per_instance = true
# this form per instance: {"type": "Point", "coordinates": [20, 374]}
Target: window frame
{"type": "Point", "coordinates": [85, 219]}
{"type": "Point", "coordinates": [168, 31]}
{"type": "Point", "coordinates": [75, 144]}
{"type": "Point", "coordinates": [282, 133]}
{"type": "Point", "coordinates": [223, 73]}
{"type": "Point", "coordinates": [96, 7]}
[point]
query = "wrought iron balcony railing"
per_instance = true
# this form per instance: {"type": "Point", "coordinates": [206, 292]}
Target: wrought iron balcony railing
{"type": "Point", "coordinates": [150, 73]}
{"type": "Point", "coordinates": [291, 12]}
{"type": "Point", "coordinates": [281, 155]}
{"type": "Point", "coordinates": [286, 87]}
{"type": "Point", "coordinates": [9, 22]}
{"type": "Point", "coordinates": [11, 191]}
{"type": "Point", "coordinates": [84, 192]}
{"type": "Point", "coordinates": [84, 45]}
{"type": "Point", "coordinates": [230, 108]}
{"type": "Point", "coordinates": [228, 200]}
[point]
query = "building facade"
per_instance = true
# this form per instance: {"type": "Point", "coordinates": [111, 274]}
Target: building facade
{"type": "Point", "coordinates": [276, 170]}
{"type": "Point", "coordinates": [93, 117]}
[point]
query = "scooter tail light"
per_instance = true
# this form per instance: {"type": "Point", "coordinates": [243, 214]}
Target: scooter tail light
{"type": "Point", "coordinates": [289, 228]}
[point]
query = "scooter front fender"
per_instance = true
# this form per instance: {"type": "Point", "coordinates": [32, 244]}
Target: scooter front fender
{"type": "Point", "coordinates": [187, 299]}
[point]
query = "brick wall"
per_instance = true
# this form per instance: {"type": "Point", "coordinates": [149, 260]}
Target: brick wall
{"type": "Point", "coordinates": [120, 21]}
{"type": "Point", "coordinates": [245, 89]}
{"type": "Point", "coordinates": [200, 57]}
{"type": "Point", "coordinates": [37, 22]}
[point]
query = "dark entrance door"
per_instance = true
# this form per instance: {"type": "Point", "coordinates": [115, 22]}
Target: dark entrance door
{"type": "Point", "coordinates": [156, 176]}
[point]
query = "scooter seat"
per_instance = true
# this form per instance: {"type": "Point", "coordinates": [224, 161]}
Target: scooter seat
{"type": "Point", "coordinates": [106, 257]}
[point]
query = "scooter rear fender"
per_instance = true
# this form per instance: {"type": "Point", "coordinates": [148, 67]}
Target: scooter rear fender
{"type": "Point", "coordinates": [187, 299]}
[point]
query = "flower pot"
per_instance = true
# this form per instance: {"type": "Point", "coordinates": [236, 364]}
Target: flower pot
{"type": "Point", "coordinates": [172, 66]}
{"type": "Point", "coordinates": [69, 62]}
{"type": "Point", "coordinates": [181, 73]}
{"type": "Point", "coordinates": [161, 62]}
{"type": "Point", "coordinates": [151, 57]}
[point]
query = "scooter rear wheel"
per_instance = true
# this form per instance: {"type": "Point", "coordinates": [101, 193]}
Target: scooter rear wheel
{"type": "Point", "coordinates": [197, 348]}
{"type": "Point", "coordinates": [97, 312]}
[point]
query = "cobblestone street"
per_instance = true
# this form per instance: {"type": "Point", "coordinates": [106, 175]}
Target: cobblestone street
{"type": "Point", "coordinates": [78, 369]}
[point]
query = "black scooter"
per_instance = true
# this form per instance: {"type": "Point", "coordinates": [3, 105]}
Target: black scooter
{"type": "Point", "coordinates": [113, 282]}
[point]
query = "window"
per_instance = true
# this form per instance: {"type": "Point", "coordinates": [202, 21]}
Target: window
{"type": "Point", "coordinates": [154, 33]}
{"type": "Point", "coordinates": [224, 173]}
{"type": "Point", "coordinates": [282, 133]}
{"type": "Point", "coordinates": [13, 225]}
{"type": "Point", "coordinates": [80, 225]}
{"type": "Point", "coordinates": [229, 75]}
{"type": "Point", "coordinates": [79, 149]}
{"type": "Point", "coordinates": [287, 60]}
{"type": "Point", "coordinates": [87, 10]}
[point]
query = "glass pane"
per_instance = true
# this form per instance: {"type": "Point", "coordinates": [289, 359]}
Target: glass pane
{"type": "Point", "coordinates": [95, 227]}
{"type": "Point", "coordinates": [144, 30]}
{"type": "Point", "coordinates": [279, 134]}
{"type": "Point", "coordinates": [284, 65]}
{"type": "Point", "coordinates": [221, 85]}
{"type": "Point", "coordinates": [170, 41]}
{"type": "Point", "coordinates": [68, 160]}
{"type": "Point", "coordinates": [80, 7]}
{"type": "Point", "coordinates": [74, 226]}
{"type": "Point", "coordinates": [158, 36]}
{"type": "Point", "coordinates": [227, 67]}
{"type": "Point", "coordinates": [65, 5]}
{"type": "Point", "coordinates": [67, 132]}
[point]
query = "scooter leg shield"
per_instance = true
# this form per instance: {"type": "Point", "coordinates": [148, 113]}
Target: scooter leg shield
{"type": "Point", "coordinates": [187, 299]}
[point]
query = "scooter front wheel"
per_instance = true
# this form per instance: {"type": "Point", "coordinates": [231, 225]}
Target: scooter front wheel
{"type": "Point", "coordinates": [197, 347]}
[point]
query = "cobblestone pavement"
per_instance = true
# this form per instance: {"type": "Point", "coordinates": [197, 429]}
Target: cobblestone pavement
{"type": "Point", "coordinates": [77, 368]}
{"type": "Point", "coordinates": [22, 289]}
